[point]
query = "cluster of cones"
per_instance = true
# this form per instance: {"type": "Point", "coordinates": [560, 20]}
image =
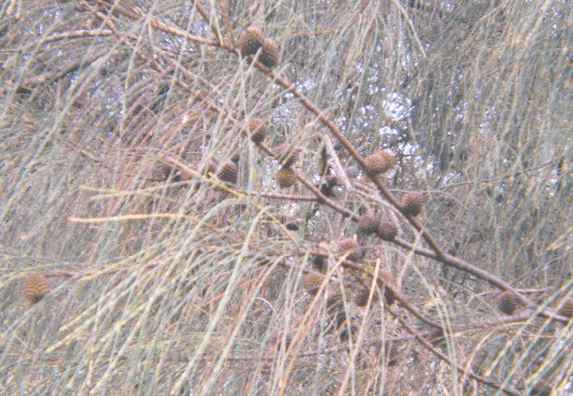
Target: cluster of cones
{"type": "Point", "coordinates": [254, 45]}
{"type": "Point", "coordinates": [369, 223]}
{"type": "Point", "coordinates": [349, 249]}
{"type": "Point", "coordinates": [335, 307]}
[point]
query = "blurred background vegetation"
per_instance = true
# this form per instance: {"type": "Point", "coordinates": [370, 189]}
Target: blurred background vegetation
{"type": "Point", "coordinates": [123, 126]}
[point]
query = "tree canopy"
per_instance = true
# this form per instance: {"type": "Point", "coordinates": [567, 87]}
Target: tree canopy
{"type": "Point", "coordinates": [286, 197]}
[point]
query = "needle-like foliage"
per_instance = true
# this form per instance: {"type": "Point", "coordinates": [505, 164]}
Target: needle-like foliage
{"type": "Point", "coordinates": [189, 203]}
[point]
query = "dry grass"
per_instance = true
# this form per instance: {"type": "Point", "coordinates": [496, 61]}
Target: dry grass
{"type": "Point", "coordinates": [116, 120]}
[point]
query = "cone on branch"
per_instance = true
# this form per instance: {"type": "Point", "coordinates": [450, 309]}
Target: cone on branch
{"type": "Point", "coordinates": [386, 278]}
{"type": "Point", "coordinates": [270, 55]}
{"type": "Point", "coordinates": [380, 162]}
{"type": "Point", "coordinates": [229, 172]}
{"type": "Point", "coordinates": [368, 223]}
{"type": "Point", "coordinates": [35, 287]}
{"type": "Point", "coordinates": [387, 231]}
{"type": "Point", "coordinates": [286, 178]}
{"type": "Point", "coordinates": [250, 41]}
{"type": "Point", "coordinates": [412, 203]}
{"type": "Point", "coordinates": [507, 302]}
{"type": "Point", "coordinates": [351, 248]}
{"type": "Point", "coordinates": [257, 130]}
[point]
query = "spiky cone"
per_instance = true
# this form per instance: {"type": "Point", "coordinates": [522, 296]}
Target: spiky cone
{"type": "Point", "coordinates": [257, 130]}
{"type": "Point", "coordinates": [351, 248]}
{"type": "Point", "coordinates": [229, 172]}
{"type": "Point", "coordinates": [380, 162]}
{"type": "Point", "coordinates": [412, 203]}
{"type": "Point", "coordinates": [566, 308]}
{"type": "Point", "coordinates": [387, 231]}
{"type": "Point", "coordinates": [286, 178]}
{"type": "Point", "coordinates": [270, 55]}
{"type": "Point", "coordinates": [387, 279]}
{"type": "Point", "coordinates": [506, 302]}
{"type": "Point", "coordinates": [250, 41]}
{"type": "Point", "coordinates": [368, 224]}
{"type": "Point", "coordinates": [288, 155]}
{"type": "Point", "coordinates": [312, 282]}
{"type": "Point", "coordinates": [35, 287]}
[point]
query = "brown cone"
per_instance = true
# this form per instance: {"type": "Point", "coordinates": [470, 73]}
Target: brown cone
{"type": "Point", "coordinates": [228, 173]}
{"type": "Point", "coordinates": [286, 178]}
{"type": "Point", "coordinates": [506, 302]}
{"type": "Point", "coordinates": [412, 202]}
{"type": "Point", "coordinates": [387, 231]}
{"type": "Point", "coordinates": [368, 223]}
{"type": "Point", "coordinates": [257, 130]}
{"type": "Point", "coordinates": [270, 56]}
{"type": "Point", "coordinates": [351, 248]}
{"type": "Point", "coordinates": [380, 162]}
{"type": "Point", "coordinates": [250, 41]}
{"type": "Point", "coordinates": [35, 287]}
